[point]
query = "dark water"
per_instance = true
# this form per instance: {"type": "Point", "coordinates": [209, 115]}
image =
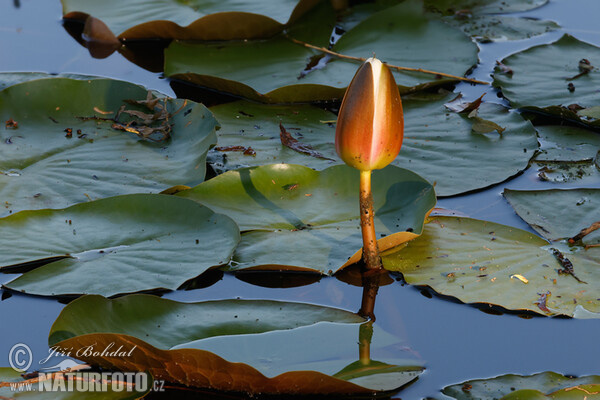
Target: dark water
{"type": "Point", "coordinates": [457, 342]}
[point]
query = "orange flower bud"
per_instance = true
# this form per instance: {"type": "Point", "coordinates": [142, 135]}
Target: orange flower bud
{"type": "Point", "coordinates": [370, 125]}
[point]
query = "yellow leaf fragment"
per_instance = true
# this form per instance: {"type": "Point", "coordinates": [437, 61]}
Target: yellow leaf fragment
{"type": "Point", "coordinates": [520, 277]}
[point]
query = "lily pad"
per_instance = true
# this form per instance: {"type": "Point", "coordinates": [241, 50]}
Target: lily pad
{"type": "Point", "coordinates": [279, 70]}
{"type": "Point", "coordinates": [12, 78]}
{"type": "Point", "coordinates": [250, 135]}
{"type": "Point", "coordinates": [13, 386]}
{"type": "Point", "coordinates": [568, 154]}
{"type": "Point", "coordinates": [533, 387]}
{"type": "Point", "coordinates": [63, 148]}
{"type": "Point", "coordinates": [203, 345]}
{"type": "Point", "coordinates": [286, 209]}
{"type": "Point", "coordinates": [558, 214]}
{"type": "Point", "coordinates": [429, 129]}
{"type": "Point", "coordinates": [121, 244]}
{"type": "Point", "coordinates": [443, 147]}
{"type": "Point", "coordinates": [450, 7]}
{"type": "Point", "coordinates": [483, 262]}
{"type": "Point", "coordinates": [485, 28]}
{"type": "Point", "coordinates": [482, 19]}
{"type": "Point", "coordinates": [567, 143]}
{"type": "Point", "coordinates": [190, 20]}
{"type": "Point", "coordinates": [549, 75]}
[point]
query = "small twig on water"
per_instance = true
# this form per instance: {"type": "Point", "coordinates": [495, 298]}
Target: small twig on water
{"type": "Point", "coordinates": [361, 59]}
{"type": "Point", "coordinates": [584, 232]}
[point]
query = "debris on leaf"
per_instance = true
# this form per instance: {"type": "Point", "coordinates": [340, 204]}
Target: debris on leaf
{"type": "Point", "coordinates": [150, 103]}
{"type": "Point", "coordinates": [458, 105]}
{"type": "Point", "coordinates": [584, 232]}
{"type": "Point", "coordinates": [520, 277]}
{"type": "Point", "coordinates": [248, 151]}
{"type": "Point", "coordinates": [585, 66]}
{"type": "Point", "coordinates": [482, 126]}
{"type": "Point", "coordinates": [504, 69]}
{"type": "Point", "coordinates": [99, 111]}
{"type": "Point", "coordinates": [566, 264]}
{"type": "Point", "coordinates": [154, 126]}
{"type": "Point", "coordinates": [290, 142]}
{"type": "Point", "coordinates": [11, 124]}
{"type": "Point", "coordinates": [590, 112]}
{"type": "Point", "coordinates": [542, 301]}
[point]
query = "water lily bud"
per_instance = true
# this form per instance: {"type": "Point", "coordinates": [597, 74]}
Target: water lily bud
{"type": "Point", "coordinates": [370, 125]}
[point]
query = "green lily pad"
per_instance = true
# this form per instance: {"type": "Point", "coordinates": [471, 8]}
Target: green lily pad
{"type": "Point", "coordinates": [561, 172]}
{"type": "Point", "coordinates": [482, 19]}
{"type": "Point", "coordinates": [64, 150]}
{"type": "Point", "coordinates": [568, 154]}
{"type": "Point", "coordinates": [286, 209]}
{"type": "Point", "coordinates": [450, 7]}
{"type": "Point", "coordinates": [121, 244]}
{"type": "Point", "coordinates": [12, 78]}
{"type": "Point", "coordinates": [232, 345]}
{"type": "Point", "coordinates": [567, 143]}
{"type": "Point", "coordinates": [541, 75]}
{"type": "Point", "coordinates": [429, 129]}
{"type": "Point", "coordinates": [192, 20]}
{"type": "Point", "coordinates": [58, 389]}
{"type": "Point", "coordinates": [571, 115]}
{"type": "Point", "coordinates": [485, 28]}
{"type": "Point", "coordinates": [442, 146]}
{"type": "Point", "coordinates": [275, 70]}
{"type": "Point", "coordinates": [250, 135]}
{"type": "Point", "coordinates": [532, 387]}
{"type": "Point", "coordinates": [558, 214]}
{"type": "Point", "coordinates": [165, 323]}
{"type": "Point", "coordinates": [483, 262]}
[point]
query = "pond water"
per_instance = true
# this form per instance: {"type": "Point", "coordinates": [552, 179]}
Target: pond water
{"type": "Point", "coordinates": [456, 341]}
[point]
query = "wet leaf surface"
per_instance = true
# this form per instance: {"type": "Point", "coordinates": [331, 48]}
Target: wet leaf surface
{"type": "Point", "coordinates": [450, 7]}
{"type": "Point", "coordinates": [285, 209]}
{"type": "Point", "coordinates": [438, 144]}
{"type": "Point", "coordinates": [273, 68]}
{"type": "Point", "coordinates": [235, 345]}
{"type": "Point", "coordinates": [196, 19]}
{"type": "Point", "coordinates": [542, 75]}
{"type": "Point", "coordinates": [442, 146]}
{"type": "Point", "coordinates": [558, 214]}
{"type": "Point", "coordinates": [483, 19]}
{"type": "Point", "coordinates": [483, 262]}
{"type": "Point", "coordinates": [66, 151]}
{"type": "Point", "coordinates": [122, 244]}
{"type": "Point", "coordinates": [250, 125]}
{"type": "Point", "coordinates": [486, 28]}
{"type": "Point", "coordinates": [533, 387]}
